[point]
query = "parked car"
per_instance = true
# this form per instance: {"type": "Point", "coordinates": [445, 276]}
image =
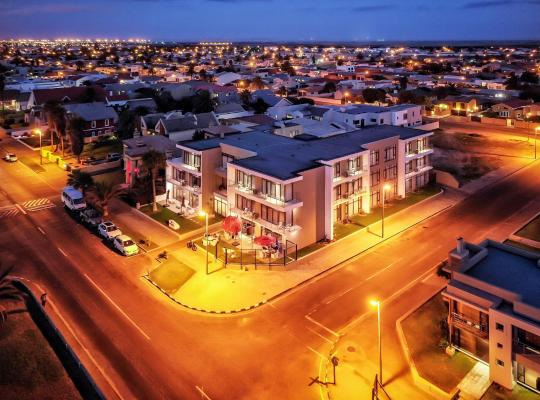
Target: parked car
{"type": "Point", "coordinates": [91, 217]}
{"type": "Point", "coordinates": [10, 157]}
{"type": "Point", "coordinates": [73, 199]}
{"type": "Point", "coordinates": [125, 245]}
{"type": "Point", "coordinates": [108, 230]}
{"type": "Point", "coordinates": [114, 156]}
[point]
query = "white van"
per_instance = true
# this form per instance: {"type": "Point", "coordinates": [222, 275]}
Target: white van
{"type": "Point", "coordinates": [73, 199]}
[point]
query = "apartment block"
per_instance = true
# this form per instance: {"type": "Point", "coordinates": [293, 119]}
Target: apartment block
{"type": "Point", "coordinates": [297, 188]}
{"type": "Point", "coordinates": [494, 309]}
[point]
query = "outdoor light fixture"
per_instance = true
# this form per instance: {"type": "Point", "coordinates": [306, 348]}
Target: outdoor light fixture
{"type": "Point", "coordinates": [377, 304]}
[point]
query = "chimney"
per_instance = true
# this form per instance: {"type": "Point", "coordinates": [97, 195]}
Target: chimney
{"type": "Point", "coordinates": [458, 257]}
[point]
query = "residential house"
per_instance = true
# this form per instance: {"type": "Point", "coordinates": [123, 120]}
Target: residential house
{"type": "Point", "coordinates": [178, 127]}
{"type": "Point", "coordinates": [100, 120]}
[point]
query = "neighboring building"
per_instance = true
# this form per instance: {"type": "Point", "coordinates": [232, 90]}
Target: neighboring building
{"type": "Point", "coordinates": [457, 105]}
{"type": "Point", "coordinates": [134, 150]}
{"type": "Point", "coordinates": [297, 188]}
{"type": "Point", "coordinates": [363, 115]}
{"type": "Point", "coordinates": [101, 120]}
{"type": "Point", "coordinates": [494, 309]}
{"type": "Point", "coordinates": [182, 127]}
{"type": "Point", "coordinates": [511, 109]}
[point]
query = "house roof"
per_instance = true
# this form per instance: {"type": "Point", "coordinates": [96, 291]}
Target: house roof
{"type": "Point", "coordinates": [188, 122]}
{"type": "Point", "coordinates": [92, 111]}
{"type": "Point", "coordinates": [229, 108]}
{"type": "Point", "coordinates": [138, 146]}
{"type": "Point", "coordinates": [65, 95]}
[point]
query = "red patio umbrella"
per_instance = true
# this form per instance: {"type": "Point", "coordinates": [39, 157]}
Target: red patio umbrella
{"type": "Point", "coordinates": [232, 225]}
{"type": "Point", "coordinates": [265, 240]}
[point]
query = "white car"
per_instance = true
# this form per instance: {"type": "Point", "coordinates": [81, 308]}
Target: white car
{"type": "Point", "coordinates": [10, 157]}
{"type": "Point", "coordinates": [108, 230]}
{"type": "Point", "coordinates": [125, 245]}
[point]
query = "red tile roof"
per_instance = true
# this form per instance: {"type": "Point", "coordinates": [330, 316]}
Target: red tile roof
{"type": "Point", "coordinates": [66, 95]}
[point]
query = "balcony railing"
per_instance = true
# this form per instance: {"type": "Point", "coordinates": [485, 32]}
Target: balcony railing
{"type": "Point", "coordinates": [474, 326]}
{"type": "Point", "coordinates": [418, 151]}
{"type": "Point", "coordinates": [525, 348]}
{"type": "Point", "coordinates": [255, 217]}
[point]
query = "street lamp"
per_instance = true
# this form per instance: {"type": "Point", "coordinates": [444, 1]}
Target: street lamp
{"type": "Point", "coordinates": [386, 187]}
{"type": "Point", "coordinates": [38, 131]}
{"type": "Point", "coordinates": [204, 214]}
{"type": "Point", "coordinates": [536, 130]}
{"type": "Point", "coordinates": [377, 304]}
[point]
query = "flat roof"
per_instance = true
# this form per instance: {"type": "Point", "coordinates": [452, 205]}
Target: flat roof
{"type": "Point", "coordinates": [284, 158]}
{"type": "Point", "coordinates": [510, 271]}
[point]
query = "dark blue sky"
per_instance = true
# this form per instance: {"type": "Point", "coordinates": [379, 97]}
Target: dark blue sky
{"type": "Point", "coordinates": [294, 20]}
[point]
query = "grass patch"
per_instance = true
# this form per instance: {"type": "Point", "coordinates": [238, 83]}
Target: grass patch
{"type": "Point", "coordinates": [171, 275]}
{"type": "Point", "coordinates": [518, 393]}
{"type": "Point", "coordinates": [531, 230]}
{"type": "Point", "coordinates": [361, 221]}
{"type": "Point", "coordinates": [33, 141]}
{"type": "Point", "coordinates": [29, 368]}
{"type": "Point", "coordinates": [163, 215]}
{"type": "Point", "coordinates": [99, 150]}
{"type": "Point", "coordinates": [427, 347]}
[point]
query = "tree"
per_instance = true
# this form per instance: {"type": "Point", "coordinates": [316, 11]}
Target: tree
{"type": "Point", "coordinates": [260, 106]}
{"type": "Point", "coordinates": [529, 77]}
{"type": "Point", "coordinates": [373, 95]}
{"type": "Point", "coordinates": [8, 292]}
{"type": "Point", "coordinates": [245, 97]}
{"type": "Point", "coordinates": [76, 136]}
{"type": "Point", "coordinates": [203, 75]}
{"type": "Point", "coordinates": [403, 81]}
{"type": "Point", "coordinates": [80, 180]}
{"type": "Point", "coordinates": [191, 70]}
{"type": "Point", "coordinates": [203, 102]}
{"type": "Point", "coordinates": [198, 135]}
{"type": "Point", "coordinates": [2, 87]}
{"type": "Point", "coordinates": [89, 95]}
{"type": "Point", "coordinates": [288, 68]}
{"type": "Point", "coordinates": [56, 119]}
{"type": "Point", "coordinates": [329, 87]}
{"type": "Point", "coordinates": [257, 83]}
{"type": "Point", "coordinates": [101, 193]}
{"type": "Point", "coordinates": [126, 124]}
{"type": "Point", "coordinates": [152, 161]}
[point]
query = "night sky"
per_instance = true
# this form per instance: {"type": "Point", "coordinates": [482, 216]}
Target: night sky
{"type": "Point", "coordinates": [268, 20]}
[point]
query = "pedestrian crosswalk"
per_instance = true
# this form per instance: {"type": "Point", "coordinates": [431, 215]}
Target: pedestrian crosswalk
{"type": "Point", "coordinates": [38, 204]}
{"type": "Point", "coordinates": [9, 211]}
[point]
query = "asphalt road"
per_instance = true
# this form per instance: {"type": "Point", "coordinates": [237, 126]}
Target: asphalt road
{"type": "Point", "coordinates": [138, 344]}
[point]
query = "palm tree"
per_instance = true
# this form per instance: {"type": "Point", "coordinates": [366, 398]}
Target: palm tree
{"type": "Point", "coordinates": [101, 193]}
{"type": "Point", "coordinates": [152, 160]}
{"type": "Point", "coordinates": [76, 139]}
{"type": "Point", "coordinates": [80, 180]}
{"type": "Point", "coordinates": [8, 292]}
{"type": "Point", "coordinates": [56, 117]}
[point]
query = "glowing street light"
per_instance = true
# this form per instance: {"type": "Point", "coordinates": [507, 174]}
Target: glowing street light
{"type": "Point", "coordinates": [386, 187]}
{"type": "Point", "coordinates": [377, 304]}
{"type": "Point", "coordinates": [204, 214]}
{"type": "Point", "coordinates": [38, 131]}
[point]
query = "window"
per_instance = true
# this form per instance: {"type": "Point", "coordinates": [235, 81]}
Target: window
{"type": "Point", "coordinates": [273, 216]}
{"type": "Point", "coordinates": [243, 179]}
{"type": "Point", "coordinates": [499, 345]}
{"type": "Point", "coordinates": [337, 170]}
{"type": "Point", "coordinates": [106, 122]}
{"type": "Point", "coordinates": [381, 121]}
{"type": "Point", "coordinates": [355, 186]}
{"type": "Point", "coordinates": [193, 160]}
{"type": "Point", "coordinates": [375, 178]}
{"type": "Point", "coordinates": [390, 172]}
{"type": "Point", "coordinates": [499, 327]}
{"type": "Point", "coordinates": [375, 198]}
{"type": "Point", "coordinates": [226, 158]}
{"type": "Point", "coordinates": [373, 157]}
{"type": "Point", "coordinates": [93, 124]}
{"type": "Point", "coordinates": [500, 363]}
{"type": "Point", "coordinates": [390, 153]}
{"type": "Point", "coordinates": [178, 175]}
{"type": "Point", "coordinates": [243, 204]}
{"type": "Point", "coordinates": [337, 192]}
{"type": "Point", "coordinates": [195, 181]}
{"type": "Point", "coordinates": [277, 191]}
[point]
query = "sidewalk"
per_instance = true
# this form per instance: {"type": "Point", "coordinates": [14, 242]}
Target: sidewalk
{"type": "Point", "coordinates": [357, 351]}
{"type": "Point", "coordinates": [232, 290]}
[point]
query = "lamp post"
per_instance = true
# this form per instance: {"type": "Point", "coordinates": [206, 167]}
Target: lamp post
{"type": "Point", "coordinates": [377, 304]}
{"type": "Point", "coordinates": [38, 131]}
{"type": "Point", "coordinates": [386, 187]}
{"type": "Point", "coordinates": [536, 130]}
{"type": "Point", "coordinates": [204, 214]}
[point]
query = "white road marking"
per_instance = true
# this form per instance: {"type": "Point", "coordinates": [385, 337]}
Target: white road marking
{"type": "Point", "coordinates": [63, 252]}
{"type": "Point", "coordinates": [38, 204]}
{"type": "Point", "coordinates": [319, 335]}
{"type": "Point", "coordinates": [321, 325]}
{"type": "Point", "coordinates": [316, 352]}
{"type": "Point", "coordinates": [202, 393]}
{"type": "Point", "coordinates": [41, 230]}
{"type": "Point", "coordinates": [20, 208]}
{"type": "Point", "coordinates": [117, 307]}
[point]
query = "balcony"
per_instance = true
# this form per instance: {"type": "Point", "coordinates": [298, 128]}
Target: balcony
{"type": "Point", "coordinates": [174, 181]}
{"type": "Point", "coordinates": [349, 175]}
{"type": "Point", "coordinates": [260, 197]}
{"type": "Point", "coordinates": [179, 164]}
{"type": "Point", "coordinates": [255, 218]}
{"type": "Point", "coordinates": [345, 197]}
{"type": "Point", "coordinates": [419, 153]}
{"type": "Point", "coordinates": [418, 170]}
{"type": "Point", "coordinates": [462, 321]}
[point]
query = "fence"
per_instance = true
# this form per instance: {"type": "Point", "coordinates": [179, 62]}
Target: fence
{"type": "Point", "coordinates": [227, 254]}
{"type": "Point", "coordinates": [76, 370]}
